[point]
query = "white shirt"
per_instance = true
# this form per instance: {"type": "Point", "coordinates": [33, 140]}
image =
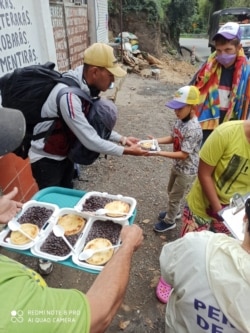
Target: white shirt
{"type": "Point", "coordinates": [210, 274]}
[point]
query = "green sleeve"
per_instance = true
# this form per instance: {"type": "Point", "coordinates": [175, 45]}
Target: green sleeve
{"type": "Point", "coordinates": [29, 306]}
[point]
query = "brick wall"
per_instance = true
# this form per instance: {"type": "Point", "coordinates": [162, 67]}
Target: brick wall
{"type": "Point", "coordinates": [14, 171]}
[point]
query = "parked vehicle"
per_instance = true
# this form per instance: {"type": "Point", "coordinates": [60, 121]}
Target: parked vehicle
{"type": "Point", "coordinates": [245, 39]}
{"type": "Point", "coordinates": [235, 14]}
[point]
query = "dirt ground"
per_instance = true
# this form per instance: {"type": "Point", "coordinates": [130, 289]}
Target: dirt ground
{"type": "Point", "coordinates": [142, 112]}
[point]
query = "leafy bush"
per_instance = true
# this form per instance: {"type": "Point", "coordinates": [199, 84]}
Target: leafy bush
{"type": "Point", "coordinates": [153, 8]}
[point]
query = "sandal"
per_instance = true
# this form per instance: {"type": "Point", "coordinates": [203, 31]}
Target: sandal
{"type": "Point", "coordinates": [163, 291]}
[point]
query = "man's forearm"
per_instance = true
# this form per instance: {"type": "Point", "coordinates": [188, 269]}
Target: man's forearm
{"type": "Point", "coordinates": [134, 150]}
{"type": "Point", "coordinates": [110, 286]}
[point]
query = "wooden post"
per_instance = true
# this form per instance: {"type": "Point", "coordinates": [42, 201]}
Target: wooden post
{"type": "Point", "coordinates": [246, 104]}
{"type": "Point", "coordinates": [121, 28]}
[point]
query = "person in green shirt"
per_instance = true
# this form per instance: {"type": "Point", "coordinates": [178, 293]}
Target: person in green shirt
{"type": "Point", "coordinates": [224, 169]}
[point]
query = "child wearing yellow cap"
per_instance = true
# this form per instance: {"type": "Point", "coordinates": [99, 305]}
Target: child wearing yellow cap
{"type": "Point", "coordinates": [186, 138]}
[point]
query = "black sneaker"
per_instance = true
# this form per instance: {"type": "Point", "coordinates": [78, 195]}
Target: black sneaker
{"type": "Point", "coordinates": [163, 226]}
{"type": "Point", "coordinates": [45, 267]}
{"type": "Point", "coordinates": [163, 214]}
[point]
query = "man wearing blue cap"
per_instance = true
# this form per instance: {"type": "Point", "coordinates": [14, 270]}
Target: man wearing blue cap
{"type": "Point", "coordinates": [222, 80]}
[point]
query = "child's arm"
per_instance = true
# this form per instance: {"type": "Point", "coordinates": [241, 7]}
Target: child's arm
{"type": "Point", "coordinates": [177, 155]}
{"type": "Point", "coordinates": [165, 140]}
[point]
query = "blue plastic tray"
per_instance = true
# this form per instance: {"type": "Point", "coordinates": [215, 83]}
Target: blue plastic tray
{"type": "Point", "coordinates": [63, 197]}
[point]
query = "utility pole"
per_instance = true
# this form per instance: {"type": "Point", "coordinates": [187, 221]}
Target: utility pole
{"type": "Point", "coordinates": [121, 28]}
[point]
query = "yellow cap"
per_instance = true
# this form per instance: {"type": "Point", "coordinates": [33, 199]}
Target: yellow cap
{"type": "Point", "coordinates": [184, 96]}
{"type": "Point", "coordinates": [102, 55]}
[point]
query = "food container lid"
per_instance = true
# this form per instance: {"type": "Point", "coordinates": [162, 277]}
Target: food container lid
{"type": "Point", "coordinates": [49, 242]}
{"type": "Point", "coordinates": [90, 234]}
{"type": "Point", "coordinates": [150, 145]}
{"type": "Point", "coordinates": [105, 198]}
{"type": "Point", "coordinates": [24, 213]}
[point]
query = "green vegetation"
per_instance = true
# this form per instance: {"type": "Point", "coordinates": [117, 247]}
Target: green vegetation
{"type": "Point", "coordinates": [175, 16]}
{"type": "Point", "coordinates": [153, 8]}
{"type": "Point", "coordinates": [207, 7]}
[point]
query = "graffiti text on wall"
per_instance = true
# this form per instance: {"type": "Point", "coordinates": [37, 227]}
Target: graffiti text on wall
{"type": "Point", "coordinates": [15, 48]}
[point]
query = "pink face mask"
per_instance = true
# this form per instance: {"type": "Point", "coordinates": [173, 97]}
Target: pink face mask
{"type": "Point", "coordinates": [225, 59]}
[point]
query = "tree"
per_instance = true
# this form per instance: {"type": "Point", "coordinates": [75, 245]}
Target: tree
{"type": "Point", "coordinates": [206, 8]}
{"type": "Point", "coordinates": [237, 3]}
{"type": "Point", "coordinates": [217, 5]}
{"type": "Point", "coordinates": [174, 16]}
{"type": "Point", "coordinates": [179, 14]}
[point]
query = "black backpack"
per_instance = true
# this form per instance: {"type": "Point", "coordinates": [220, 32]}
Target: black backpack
{"type": "Point", "coordinates": [26, 89]}
{"type": "Point", "coordinates": [78, 153]}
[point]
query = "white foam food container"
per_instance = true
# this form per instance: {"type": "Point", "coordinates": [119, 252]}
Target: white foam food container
{"type": "Point", "coordinates": [37, 248]}
{"type": "Point", "coordinates": [4, 234]}
{"type": "Point", "coordinates": [150, 142]}
{"type": "Point", "coordinates": [131, 201]}
{"type": "Point", "coordinates": [83, 240]}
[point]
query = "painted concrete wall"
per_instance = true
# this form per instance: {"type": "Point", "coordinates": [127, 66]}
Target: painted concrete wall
{"type": "Point", "coordinates": [98, 21]}
{"type": "Point", "coordinates": [37, 31]}
{"type": "Point", "coordinates": [102, 21]}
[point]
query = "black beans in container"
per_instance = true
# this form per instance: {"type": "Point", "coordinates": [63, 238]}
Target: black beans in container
{"type": "Point", "coordinates": [104, 229]}
{"type": "Point", "coordinates": [95, 202]}
{"type": "Point", "coordinates": [56, 245]}
{"type": "Point", "coordinates": [36, 215]}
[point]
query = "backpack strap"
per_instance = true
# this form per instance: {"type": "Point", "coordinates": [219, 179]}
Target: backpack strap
{"type": "Point", "coordinates": [74, 86]}
{"type": "Point", "coordinates": [70, 82]}
{"type": "Point", "coordinates": [74, 90]}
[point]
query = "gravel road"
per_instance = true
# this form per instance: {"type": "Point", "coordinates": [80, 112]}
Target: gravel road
{"type": "Point", "coordinates": [142, 112]}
